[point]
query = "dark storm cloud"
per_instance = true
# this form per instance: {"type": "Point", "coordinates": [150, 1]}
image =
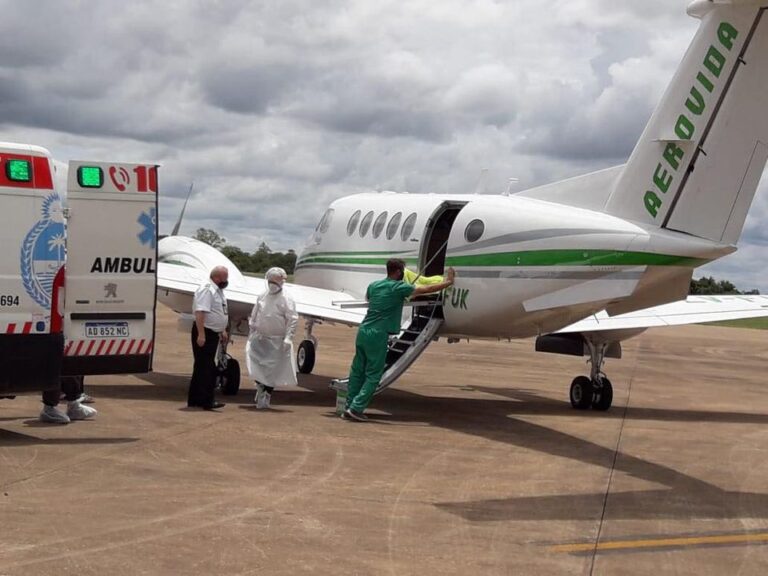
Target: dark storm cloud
{"type": "Point", "coordinates": [246, 89]}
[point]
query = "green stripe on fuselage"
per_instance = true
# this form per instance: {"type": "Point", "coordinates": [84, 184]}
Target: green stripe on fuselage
{"type": "Point", "coordinates": [584, 257]}
{"type": "Point", "coordinates": [574, 258]}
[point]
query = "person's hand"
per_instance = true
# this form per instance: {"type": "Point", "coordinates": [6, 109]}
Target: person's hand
{"type": "Point", "coordinates": [201, 340]}
{"type": "Point", "coordinates": [224, 337]}
{"type": "Point", "coordinates": [450, 275]}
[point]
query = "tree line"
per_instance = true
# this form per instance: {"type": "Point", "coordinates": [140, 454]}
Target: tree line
{"type": "Point", "coordinates": [264, 258]}
{"type": "Point", "coordinates": [249, 262]}
{"type": "Point", "coordinates": [710, 285]}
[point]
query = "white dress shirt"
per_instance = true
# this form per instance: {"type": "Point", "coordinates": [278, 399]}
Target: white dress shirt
{"type": "Point", "coordinates": [210, 299]}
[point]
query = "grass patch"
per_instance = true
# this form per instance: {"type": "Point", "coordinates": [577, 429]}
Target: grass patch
{"type": "Point", "coordinates": [754, 323]}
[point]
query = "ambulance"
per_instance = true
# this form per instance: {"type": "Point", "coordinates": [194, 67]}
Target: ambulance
{"type": "Point", "coordinates": [77, 274]}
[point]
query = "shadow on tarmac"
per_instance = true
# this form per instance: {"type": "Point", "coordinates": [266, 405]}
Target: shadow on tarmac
{"type": "Point", "coordinates": [8, 438]}
{"type": "Point", "coordinates": [493, 419]}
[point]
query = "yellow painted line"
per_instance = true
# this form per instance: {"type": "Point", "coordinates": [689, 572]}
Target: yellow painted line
{"type": "Point", "coordinates": [663, 543]}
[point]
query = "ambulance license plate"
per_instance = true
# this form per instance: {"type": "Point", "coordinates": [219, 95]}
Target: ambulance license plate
{"type": "Point", "coordinates": [106, 330]}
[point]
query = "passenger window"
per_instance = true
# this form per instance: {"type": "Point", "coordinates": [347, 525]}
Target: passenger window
{"type": "Point", "coordinates": [378, 226]}
{"type": "Point", "coordinates": [474, 231]}
{"type": "Point", "coordinates": [326, 223]}
{"type": "Point", "coordinates": [352, 224]}
{"type": "Point", "coordinates": [408, 226]}
{"type": "Point", "coordinates": [393, 225]}
{"type": "Point", "coordinates": [366, 224]}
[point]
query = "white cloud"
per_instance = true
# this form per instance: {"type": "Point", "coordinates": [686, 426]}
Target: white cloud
{"type": "Point", "coordinates": [276, 108]}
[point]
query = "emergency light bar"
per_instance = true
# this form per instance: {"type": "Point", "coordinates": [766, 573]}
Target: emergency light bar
{"type": "Point", "coordinates": [90, 177]}
{"type": "Point", "coordinates": [18, 170]}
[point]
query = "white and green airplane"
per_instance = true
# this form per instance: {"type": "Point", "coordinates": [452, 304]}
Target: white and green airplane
{"type": "Point", "coordinates": [581, 264]}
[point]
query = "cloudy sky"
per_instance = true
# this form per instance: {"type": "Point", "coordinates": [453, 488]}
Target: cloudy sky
{"type": "Point", "coordinates": [276, 107]}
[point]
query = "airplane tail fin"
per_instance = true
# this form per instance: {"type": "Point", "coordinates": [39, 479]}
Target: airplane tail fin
{"type": "Point", "coordinates": [699, 161]}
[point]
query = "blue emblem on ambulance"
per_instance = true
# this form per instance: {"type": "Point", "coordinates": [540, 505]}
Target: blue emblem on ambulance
{"type": "Point", "coordinates": [43, 251]}
{"type": "Point", "coordinates": [148, 222]}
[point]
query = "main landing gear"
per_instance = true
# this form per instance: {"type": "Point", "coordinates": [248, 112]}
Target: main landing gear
{"type": "Point", "coordinates": [305, 355]}
{"type": "Point", "coordinates": [595, 391]}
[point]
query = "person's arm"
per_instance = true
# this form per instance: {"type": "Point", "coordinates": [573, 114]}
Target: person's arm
{"type": "Point", "coordinates": [431, 289]}
{"type": "Point", "coordinates": [292, 321]}
{"type": "Point", "coordinates": [224, 336]}
{"type": "Point", "coordinates": [254, 316]}
{"type": "Point", "coordinates": [200, 321]}
{"type": "Point", "coordinates": [200, 307]}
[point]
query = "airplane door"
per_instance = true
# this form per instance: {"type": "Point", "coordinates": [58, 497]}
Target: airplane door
{"type": "Point", "coordinates": [462, 303]}
{"type": "Point", "coordinates": [111, 268]}
{"type": "Point", "coordinates": [434, 245]}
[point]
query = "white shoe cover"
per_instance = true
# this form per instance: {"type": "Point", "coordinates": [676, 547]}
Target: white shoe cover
{"type": "Point", "coordinates": [53, 415]}
{"type": "Point", "coordinates": [78, 411]}
{"type": "Point", "coordinates": [262, 399]}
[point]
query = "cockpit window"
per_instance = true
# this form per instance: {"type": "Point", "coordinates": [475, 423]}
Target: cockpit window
{"type": "Point", "coordinates": [393, 225]}
{"type": "Point", "coordinates": [325, 223]}
{"type": "Point", "coordinates": [474, 231]}
{"type": "Point", "coordinates": [352, 224]}
{"type": "Point", "coordinates": [366, 224]}
{"type": "Point", "coordinates": [408, 226]}
{"type": "Point", "coordinates": [378, 226]}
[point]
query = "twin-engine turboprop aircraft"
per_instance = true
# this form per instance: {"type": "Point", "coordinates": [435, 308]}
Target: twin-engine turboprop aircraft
{"type": "Point", "coordinates": [582, 264]}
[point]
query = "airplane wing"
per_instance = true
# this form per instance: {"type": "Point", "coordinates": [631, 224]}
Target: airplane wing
{"type": "Point", "coordinates": [315, 303]}
{"type": "Point", "coordinates": [693, 310]}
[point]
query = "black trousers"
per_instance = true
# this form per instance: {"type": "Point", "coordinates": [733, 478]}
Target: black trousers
{"type": "Point", "coordinates": [203, 382]}
{"type": "Point", "coordinates": [71, 386]}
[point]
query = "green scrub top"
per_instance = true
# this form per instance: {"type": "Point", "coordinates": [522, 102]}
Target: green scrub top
{"type": "Point", "coordinates": [385, 304]}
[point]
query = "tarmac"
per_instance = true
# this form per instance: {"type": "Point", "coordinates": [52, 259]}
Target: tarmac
{"type": "Point", "coordinates": [475, 464]}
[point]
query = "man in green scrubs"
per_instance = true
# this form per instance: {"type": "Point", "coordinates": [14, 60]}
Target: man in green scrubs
{"type": "Point", "coordinates": [385, 310]}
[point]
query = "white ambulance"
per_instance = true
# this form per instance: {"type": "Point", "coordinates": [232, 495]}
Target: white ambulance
{"type": "Point", "coordinates": [77, 283]}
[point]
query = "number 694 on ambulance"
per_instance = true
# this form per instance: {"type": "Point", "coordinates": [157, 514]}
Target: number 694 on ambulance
{"type": "Point", "coordinates": [77, 273]}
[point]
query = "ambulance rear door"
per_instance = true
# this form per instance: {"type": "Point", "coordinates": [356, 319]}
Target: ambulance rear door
{"type": "Point", "coordinates": [111, 268]}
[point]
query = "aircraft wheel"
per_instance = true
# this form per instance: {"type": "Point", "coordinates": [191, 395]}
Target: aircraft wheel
{"type": "Point", "coordinates": [228, 378]}
{"type": "Point", "coordinates": [305, 357]}
{"type": "Point", "coordinates": [603, 395]}
{"type": "Point", "coordinates": [581, 393]}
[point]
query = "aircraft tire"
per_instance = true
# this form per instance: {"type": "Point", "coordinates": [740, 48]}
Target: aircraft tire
{"type": "Point", "coordinates": [581, 393]}
{"type": "Point", "coordinates": [229, 378]}
{"type": "Point", "coordinates": [305, 357]}
{"type": "Point", "coordinates": [603, 396]}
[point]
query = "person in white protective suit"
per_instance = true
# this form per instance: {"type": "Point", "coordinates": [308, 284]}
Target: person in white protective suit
{"type": "Point", "coordinates": [269, 351]}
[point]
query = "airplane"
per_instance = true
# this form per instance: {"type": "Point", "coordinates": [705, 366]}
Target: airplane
{"type": "Point", "coordinates": [581, 264]}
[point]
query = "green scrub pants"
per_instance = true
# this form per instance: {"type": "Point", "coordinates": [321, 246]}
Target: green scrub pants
{"type": "Point", "coordinates": [367, 367]}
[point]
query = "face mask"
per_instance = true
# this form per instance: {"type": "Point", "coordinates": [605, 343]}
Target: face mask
{"type": "Point", "coordinates": [274, 288]}
{"type": "Point", "coordinates": [223, 284]}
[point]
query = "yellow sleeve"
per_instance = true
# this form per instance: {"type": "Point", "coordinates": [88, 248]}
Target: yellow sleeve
{"type": "Point", "coordinates": [411, 278]}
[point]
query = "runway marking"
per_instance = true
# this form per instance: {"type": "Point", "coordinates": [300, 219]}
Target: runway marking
{"type": "Point", "coordinates": [663, 543]}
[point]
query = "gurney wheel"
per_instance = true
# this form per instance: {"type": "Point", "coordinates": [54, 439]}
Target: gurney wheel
{"type": "Point", "coordinates": [228, 379]}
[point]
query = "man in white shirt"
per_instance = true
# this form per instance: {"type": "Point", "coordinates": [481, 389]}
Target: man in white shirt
{"type": "Point", "coordinates": [209, 329]}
